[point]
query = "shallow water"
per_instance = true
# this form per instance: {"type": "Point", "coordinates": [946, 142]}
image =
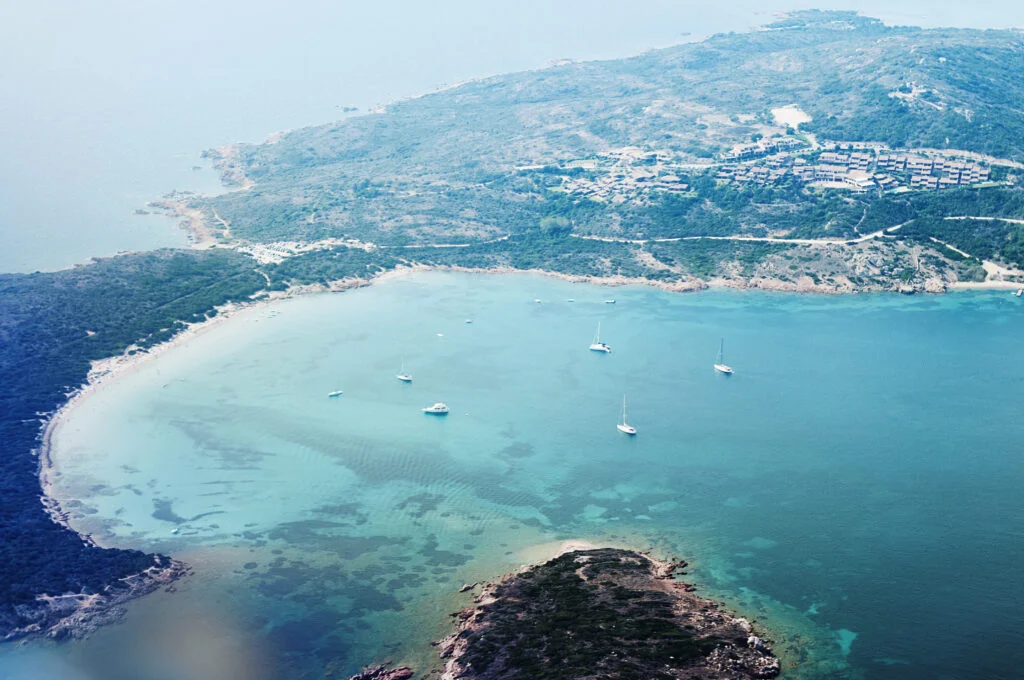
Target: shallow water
{"type": "Point", "coordinates": [855, 486]}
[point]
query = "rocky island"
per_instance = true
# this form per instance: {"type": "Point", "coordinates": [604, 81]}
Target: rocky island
{"type": "Point", "coordinates": [597, 613]}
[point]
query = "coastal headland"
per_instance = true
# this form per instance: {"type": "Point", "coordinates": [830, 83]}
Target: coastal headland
{"type": "Point", "coordinates": [596, 613]}
{"type": "Point", "coordinates": [706, 164]}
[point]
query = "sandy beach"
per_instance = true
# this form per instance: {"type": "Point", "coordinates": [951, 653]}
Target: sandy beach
{"type": "Point", "coordinates": [986, 285]}
{"type": "Point", "coordinates": [105, 371]}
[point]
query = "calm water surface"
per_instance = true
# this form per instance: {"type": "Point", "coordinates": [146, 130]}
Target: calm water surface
{"type": "Point", "coordinates": [855, 486]}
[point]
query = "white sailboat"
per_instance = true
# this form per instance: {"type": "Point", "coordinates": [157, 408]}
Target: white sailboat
{"type": "Point", "coordinates": [335, 394]}
{"type": "Point", "coordinates": [720, 364]}
{"type": "Point", "coordinates": [624, 426]}
{"type": "Point", "coordinates": [402, 375]}
{"type": "Point", "coordinates": [597, 345]}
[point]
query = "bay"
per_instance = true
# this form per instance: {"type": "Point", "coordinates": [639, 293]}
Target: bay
{"type": "Point", "coordinates": [854, 487]}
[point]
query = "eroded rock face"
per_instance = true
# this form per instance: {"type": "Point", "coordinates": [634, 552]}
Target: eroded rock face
{"type": "Point", "coordinates": [384, 672]}
{"type": "Point", "coordinates": [604, 613]}
{"type": "Point", "coordinates": [68, 616]}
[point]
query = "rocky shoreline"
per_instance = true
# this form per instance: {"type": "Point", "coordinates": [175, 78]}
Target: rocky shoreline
{"type": "Point", "coordinates": [78, 615]}
{"type": "Point", "coordinates": [195, 222]}
{"type": "Point", "coordinates": [592, 614]}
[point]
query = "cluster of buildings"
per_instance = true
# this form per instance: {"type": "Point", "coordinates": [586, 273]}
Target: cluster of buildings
{"type": "Point", "coordinates": [854, 161]}
{"type": "Point", "coordinates": [934, 173]}
{"type": "Point", "coordinates": [752, 174]}
{"type": "Point", "coordinates": [623, 182]}
{"type": "Point", "coordinates": [763, 147]}
{"type": "Point", "coordinates": [621, 174]}
{"type": "Point", "coordinates": [862, 170]}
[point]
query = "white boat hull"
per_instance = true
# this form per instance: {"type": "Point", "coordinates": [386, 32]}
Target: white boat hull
{"type": "Point", "coordinates": [722, 368]}
{"type": "Point", "coordinates": [627, 429]}
{"type": "Point", "coordinates": [601, 347]}
{"type": "Point", "coordinates": [335, 395]}
{"type": "Point", "coordinates": [404, 378]}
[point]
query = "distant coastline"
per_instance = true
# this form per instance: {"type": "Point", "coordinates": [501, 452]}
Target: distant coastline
{"type": "Point", "coordinates": [204, 236]}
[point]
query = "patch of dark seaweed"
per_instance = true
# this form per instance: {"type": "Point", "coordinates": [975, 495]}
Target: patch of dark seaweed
{"type": "Point", "coordinates": [516, 451]}
{"type": "Point", "coordinates": [437, 557]}
{"type": "Point", "coordinates": [420, 504]}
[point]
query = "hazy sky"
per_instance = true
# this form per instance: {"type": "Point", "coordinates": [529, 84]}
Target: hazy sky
{"type": "Point", "coordinates": [106, 104]}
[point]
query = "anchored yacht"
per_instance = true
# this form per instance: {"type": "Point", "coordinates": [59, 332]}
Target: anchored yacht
{"type": "Point", "coordinates": [624, 426]}
{"type": "Point", "coordinates": [402, 375]}
{"type": "Point", "coordinates": [597, 345]}
{"type": "Point", "coordinates": [438, 409]}
{"type": "Point", "coordinates": [720, 364]}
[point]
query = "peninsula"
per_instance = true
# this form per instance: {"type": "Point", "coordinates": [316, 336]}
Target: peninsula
{"type": "Point", "coordinates": [825, 152]}
{"type": "Point", "coordinates": [601, 613]}
{"type": "Point", "coordinates": [596, 613]}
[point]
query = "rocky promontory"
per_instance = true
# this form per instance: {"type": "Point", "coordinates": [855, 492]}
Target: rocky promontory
{"type": "Point", "coordinates": [601, 613]}
{"type": "Point", "coordinates": [78, 615]}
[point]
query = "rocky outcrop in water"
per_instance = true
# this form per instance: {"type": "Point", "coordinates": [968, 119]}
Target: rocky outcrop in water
{"type": "Point", "coordinates": [384, 672]}
{"type": "Point", "coordinates": [77, 615]}
{"type": "Point", "coordinates": [603, 613]}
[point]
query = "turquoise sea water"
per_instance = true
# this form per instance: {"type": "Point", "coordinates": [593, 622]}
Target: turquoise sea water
{"type": "Point", "coordinates": [855, 487]}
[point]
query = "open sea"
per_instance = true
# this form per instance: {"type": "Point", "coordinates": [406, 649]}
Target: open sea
{"type": "Point", "coordinates": [855, 487]}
